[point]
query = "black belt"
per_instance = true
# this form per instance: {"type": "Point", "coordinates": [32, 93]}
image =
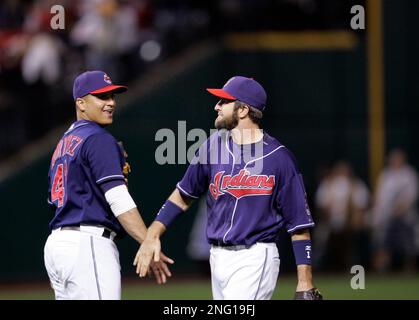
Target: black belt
{"type": "Point", "coordinates": [106, 232]}
{"type": "Point", "coordinates": [230, 246]}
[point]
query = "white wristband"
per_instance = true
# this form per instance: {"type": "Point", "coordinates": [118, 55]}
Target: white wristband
{"type": "Point", "coordinates": [119, 200]}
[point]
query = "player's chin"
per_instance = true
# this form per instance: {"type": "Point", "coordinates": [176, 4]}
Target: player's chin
{"type": "Point", "coordinates": [225, 124]}
{"type": "Point", "coordinates": [105, 121]}
{"type": "Point", "coordinates": [219, 123]}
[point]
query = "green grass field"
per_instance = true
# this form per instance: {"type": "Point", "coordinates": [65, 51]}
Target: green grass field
{"type": "Point", "coordinates": [390, 287]}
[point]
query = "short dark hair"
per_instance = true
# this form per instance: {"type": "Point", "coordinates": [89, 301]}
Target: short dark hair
{"type": "Point", "coordinates": [254, 114]}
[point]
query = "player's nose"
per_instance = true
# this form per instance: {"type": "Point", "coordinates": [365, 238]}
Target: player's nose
{"type": "Point", "coordinates": [217, 107]}
{"type": "Point", "coordinates": [111, 101]}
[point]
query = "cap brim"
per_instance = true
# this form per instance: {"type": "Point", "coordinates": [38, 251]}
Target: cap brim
{"type": "Point", "coordinates": [113, 88]}
{"type": "Point", "coordinates": [221, 94]}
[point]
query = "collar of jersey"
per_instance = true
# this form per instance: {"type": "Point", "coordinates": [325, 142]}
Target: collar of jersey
{"type": "Point", "coordinates": [80, 123]}
{"type": "Point", "coordinates": [246, 145]}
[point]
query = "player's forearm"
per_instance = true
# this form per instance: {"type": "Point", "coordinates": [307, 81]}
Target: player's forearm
{"type": "Point", "coordinates": [305, 277]}
{"type": "Point", "coordinates": [303, 234]}
{"type": "Point", "coordinates": [183, 202]}
{"type": "Point", "coordinates": [174, 206]}
{"type": "Point", "coordinates": [304, 274]}
{"type": "Point", "coordinates": [133, 224]}
{"type": "Point", "coordinates": [125, 209]}
{"type": "Point", "coordinates": [155, 230]}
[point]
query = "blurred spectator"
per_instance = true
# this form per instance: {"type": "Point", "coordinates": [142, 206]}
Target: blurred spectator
{"type": "Point", "coordinates": [395, 215]}
{"type": "Point", "coordinates": [106, 30]}
{"type": "Point", "coordinates": [341, 200]}
{"type": "Point", "coordinates": [41, 60]}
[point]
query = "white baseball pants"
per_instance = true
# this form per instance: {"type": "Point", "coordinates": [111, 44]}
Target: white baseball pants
{"type": "Point", "coordinates": [83, 265]}
{"type": "Point", "coordinates": [244, 274]}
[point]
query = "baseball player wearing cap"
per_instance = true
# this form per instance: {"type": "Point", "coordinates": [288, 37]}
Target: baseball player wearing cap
{"type": "Point", "coordinates": [91, 201]}
{"type": "Point", "coordinates": [254, 188]}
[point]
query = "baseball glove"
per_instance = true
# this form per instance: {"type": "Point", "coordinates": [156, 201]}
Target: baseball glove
{"type": "Point", "coordinates": [126, 169]}
{"type": "Point", "coordinates": [312, 294]}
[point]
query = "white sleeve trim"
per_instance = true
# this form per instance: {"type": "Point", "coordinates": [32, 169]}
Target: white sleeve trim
{"type": "Point", "coordinates": [119, 200]}
{"type": "Point", "coordinates": [110, 177]}
{"type": "Point", "coordinates": [301, 226]}
{"type": "Point", "coordinates": [188, 194]}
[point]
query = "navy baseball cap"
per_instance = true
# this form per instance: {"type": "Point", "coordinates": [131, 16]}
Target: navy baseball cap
{"type": "Point", "coordinates": [244, 89]}
{"type": "Point", "coordinates": [94, 82]}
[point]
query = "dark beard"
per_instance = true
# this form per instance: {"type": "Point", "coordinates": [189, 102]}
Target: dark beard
{"type": "Point", "coordinates": [228, 124]}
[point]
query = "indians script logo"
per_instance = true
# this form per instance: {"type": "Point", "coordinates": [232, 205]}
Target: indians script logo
{"type": "Point", "coordinates": [241, 185]}
{"type": "Point", "coordinates": [107, 79]}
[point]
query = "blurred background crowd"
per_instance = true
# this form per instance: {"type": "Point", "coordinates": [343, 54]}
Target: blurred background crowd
{"type": "Point", "coordinates": [125, 37]}
{"type": "Point", "coordinates": [377, 230]}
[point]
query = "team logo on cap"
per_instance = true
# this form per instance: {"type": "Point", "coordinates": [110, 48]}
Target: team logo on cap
{"type": "Point", "coordinates": [107, 79]}
{"type": "Point", "coordinates": [242, 184]}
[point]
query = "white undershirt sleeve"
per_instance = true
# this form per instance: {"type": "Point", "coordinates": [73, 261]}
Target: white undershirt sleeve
{"type": "Point", "coordinates": [119, 200]}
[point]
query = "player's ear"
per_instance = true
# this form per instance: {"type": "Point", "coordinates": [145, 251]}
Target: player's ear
{"type": "Point", "coordinates": [81, 104]}
{"type": "Point", "coordinates": [244, 111]}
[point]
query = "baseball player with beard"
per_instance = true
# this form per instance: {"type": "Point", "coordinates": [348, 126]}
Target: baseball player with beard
{"type": "Point", "coordinates": [87, 189]}
{"type": "Point", "coordinates": [254, 188]}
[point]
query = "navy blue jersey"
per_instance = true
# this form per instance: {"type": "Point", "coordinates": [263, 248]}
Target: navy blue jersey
{"type": "Point", "coordinates": [250, 196]}
{"type": "Point", "coordinates": [86, 157]}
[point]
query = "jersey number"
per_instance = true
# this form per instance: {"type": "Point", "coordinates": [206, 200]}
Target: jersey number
{"type": "Point", "coordinates": [58, 190]}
